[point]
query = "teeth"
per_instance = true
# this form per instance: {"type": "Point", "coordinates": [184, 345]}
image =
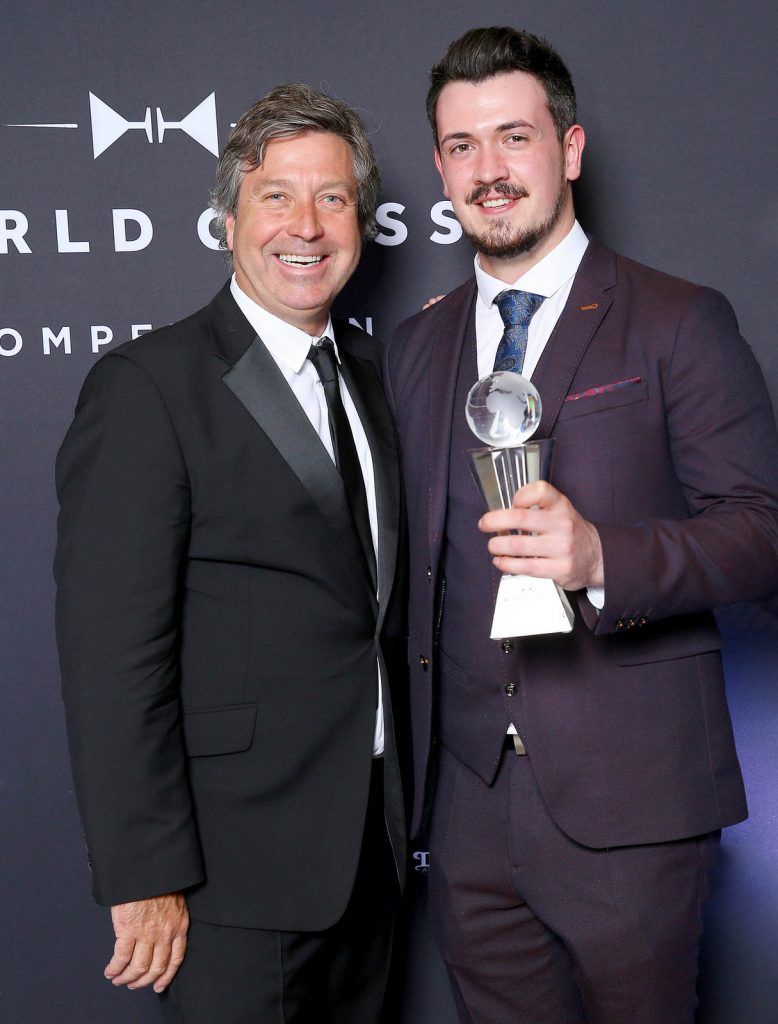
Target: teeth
{"type": "Point", "coordinates": [495, 202]}
{"type": "Point", "coordinates": [299, 261]}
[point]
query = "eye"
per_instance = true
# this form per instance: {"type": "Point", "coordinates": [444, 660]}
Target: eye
{"type": "Point", "coordinates": [460, 147]}
{"type": "Point", "coordinates": [516, 138]}
{"type": "Point", "coordinates": [333, 200]}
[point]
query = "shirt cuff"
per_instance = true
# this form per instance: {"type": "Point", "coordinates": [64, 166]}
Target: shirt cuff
{"type": "Point", "coordinates": [596, 596]}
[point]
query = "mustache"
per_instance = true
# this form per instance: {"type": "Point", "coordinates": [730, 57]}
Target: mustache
{"type": "Point", "coordinates": [502, 188]}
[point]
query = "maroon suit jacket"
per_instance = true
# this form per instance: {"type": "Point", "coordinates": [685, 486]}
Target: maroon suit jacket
{"type": "Point", "coordinates": [665, 440]}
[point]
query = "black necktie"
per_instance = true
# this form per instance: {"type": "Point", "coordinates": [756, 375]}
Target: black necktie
{"type": "Point", "coordinates": [322, 355]}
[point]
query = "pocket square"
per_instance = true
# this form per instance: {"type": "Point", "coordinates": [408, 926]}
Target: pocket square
{"type": "Point", "coordinates": [603, 389]}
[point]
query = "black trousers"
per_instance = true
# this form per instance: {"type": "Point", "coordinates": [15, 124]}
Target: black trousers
{"type": "Point", "coordinates": [536, 929]}
{"type": "Point", "coordinates": [336, 976]}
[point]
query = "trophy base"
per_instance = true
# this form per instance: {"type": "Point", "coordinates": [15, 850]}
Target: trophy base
{"type": "Point", "coordinates": [527, 606]}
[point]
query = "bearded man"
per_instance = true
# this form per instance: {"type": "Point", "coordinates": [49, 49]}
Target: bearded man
{"type": "Point", "coordinates": [582, 778]}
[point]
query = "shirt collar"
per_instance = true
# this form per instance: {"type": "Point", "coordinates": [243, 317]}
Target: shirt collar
{"type": "Point", "coordinates": [546, 277]}
{"type": "Point", "coordinates": [287, 344]}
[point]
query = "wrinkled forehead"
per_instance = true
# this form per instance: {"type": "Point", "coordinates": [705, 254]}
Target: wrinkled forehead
{"type": "Point", "coordinates": [307, 158]}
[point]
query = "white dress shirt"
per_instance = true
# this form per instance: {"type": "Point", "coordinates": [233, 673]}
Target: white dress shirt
{"type": "Point", "coordinates": [289, 347]}
{"type": "Point", "coordinates": [551, 277]}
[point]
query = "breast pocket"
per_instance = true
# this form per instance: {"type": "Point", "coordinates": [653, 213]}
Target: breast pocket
{"type": "Point", "coordinates": [603, 398]}
{"type": "Point", "coordinates": [597, 436]}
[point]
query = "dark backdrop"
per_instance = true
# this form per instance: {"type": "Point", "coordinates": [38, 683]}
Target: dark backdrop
{"type": "Point", "coordinates": [678, 102]}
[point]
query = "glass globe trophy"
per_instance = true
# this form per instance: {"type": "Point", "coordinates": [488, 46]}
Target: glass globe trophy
{"type": "Point", "coordinates": [503, 411]}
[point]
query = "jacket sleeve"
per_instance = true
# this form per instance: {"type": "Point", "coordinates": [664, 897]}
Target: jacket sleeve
{"type": "Point", "coordinates": [724, 450]}
{"type": "Point", "coordinates": [122, 535]}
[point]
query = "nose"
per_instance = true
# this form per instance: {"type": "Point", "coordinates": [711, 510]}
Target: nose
{"type": "Point", "coordinates": [490, 166]}
{"type": "Point", "coordinates": [304, 220]}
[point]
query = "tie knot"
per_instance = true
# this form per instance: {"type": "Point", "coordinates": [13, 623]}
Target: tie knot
{"type": "Point", "coordinates": [517, 308]}
{"type": "Point", "coordinates": [324, 343]}
{"type": "Point", "coordinates": [322, 355]}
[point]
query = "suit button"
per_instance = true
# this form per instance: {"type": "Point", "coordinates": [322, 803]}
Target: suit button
{"type": "Point", "coordinates": [506, 646]}
{"type": "Point", "coordinates": [424, 662]}
{"type": "Point", "coordinates": [631, 623]}
{"type": "Point", "coordinates": [642, 621]}
{"type": "Point", "coordinates": [510, 689]}
{"type": "Point", "coordinates": [429, 573]}
{"type": "Point", "coordinates": [620, 624]}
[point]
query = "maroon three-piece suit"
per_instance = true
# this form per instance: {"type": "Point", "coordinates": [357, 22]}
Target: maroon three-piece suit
{"type": "Point", "coordinates": [665, 440]}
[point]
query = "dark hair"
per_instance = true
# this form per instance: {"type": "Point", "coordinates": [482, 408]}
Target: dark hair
{"type": "Point", "coordinates": [286, 111]}
{"type": "Point", "coordinates": [484, 52]}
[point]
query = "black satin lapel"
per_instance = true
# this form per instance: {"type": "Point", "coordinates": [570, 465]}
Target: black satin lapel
{"type": "Point", "coordinates": [583, 313]}
{"type": "Point", "coordinates": [231, 332]}
{"type": "Point", "coordinates": [259, 385]}
{"type": "Point", "coordinates": [447, 343]}
{"type": "Point", "coordinates": [364, 386]}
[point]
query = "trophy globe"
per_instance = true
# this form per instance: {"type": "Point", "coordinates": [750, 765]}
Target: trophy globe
{"type": "Point", "coordinates": [503, 410]}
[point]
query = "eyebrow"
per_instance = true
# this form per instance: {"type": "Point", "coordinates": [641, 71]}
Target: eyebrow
{"type": "Point", "coordinates": [349, 186]}
{"type": "Point", "coordinates": [455, 135]}
{"type": "Point", "coordinates": [287, 182]}
{"type": "Point", "coordinates": [508, 126]}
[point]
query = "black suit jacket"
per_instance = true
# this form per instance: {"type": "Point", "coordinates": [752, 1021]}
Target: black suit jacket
{"type": "Point", "coordinates": [218, 633]}
{"type": "Point", "coordinates": [665, 439]}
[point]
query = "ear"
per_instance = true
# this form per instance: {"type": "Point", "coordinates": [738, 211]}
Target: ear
{"type": "Point", "coordinates": [229, 225]}
{"type": "Point", "coordinates": [573, 147]}
{"type": "Point", "coordinates": [439, 165]}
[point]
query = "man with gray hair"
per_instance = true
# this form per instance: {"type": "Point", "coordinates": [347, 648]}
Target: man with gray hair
{"type": "Point", "coordinates": [229, 610]}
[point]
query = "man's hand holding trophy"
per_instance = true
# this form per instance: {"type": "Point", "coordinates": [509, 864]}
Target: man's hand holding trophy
{"type": "Point", "coordinates": [549, 546]}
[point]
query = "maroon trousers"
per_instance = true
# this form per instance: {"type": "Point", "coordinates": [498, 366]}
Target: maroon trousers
{"type": "Point", "coordinates": [536, 929]}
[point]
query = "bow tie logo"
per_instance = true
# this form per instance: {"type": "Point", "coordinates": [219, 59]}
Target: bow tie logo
{"type": "Point", "coordinates": [108, 126]}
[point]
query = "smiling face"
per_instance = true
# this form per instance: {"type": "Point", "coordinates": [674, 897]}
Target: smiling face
{"type": "Point", "coordinates": [295, 239]}
{"type": "Point", "coordinates": [505, 171]}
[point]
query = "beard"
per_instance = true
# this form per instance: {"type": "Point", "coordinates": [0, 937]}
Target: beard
{"type": "Point", "coordinates": [503, 240]}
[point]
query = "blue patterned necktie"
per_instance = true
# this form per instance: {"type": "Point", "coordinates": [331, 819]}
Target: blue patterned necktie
{"type": "Point", "coordinates": [516, 309]}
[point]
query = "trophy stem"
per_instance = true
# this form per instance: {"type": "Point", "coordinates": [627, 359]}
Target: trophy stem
{"type": "Point", "coordinates": [500, 472]}
{"type": "Point", "coordinates": [526, 606]}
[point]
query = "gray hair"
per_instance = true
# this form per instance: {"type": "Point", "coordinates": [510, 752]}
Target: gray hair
{"type": "Point", "coordinates": [286, 111]}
